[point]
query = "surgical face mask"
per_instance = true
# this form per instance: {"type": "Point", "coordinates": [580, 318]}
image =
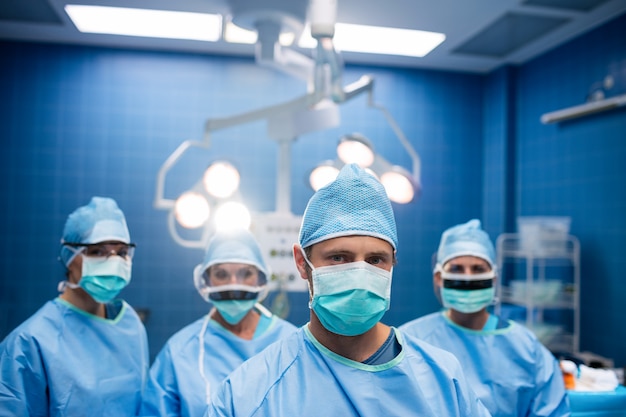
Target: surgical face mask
{"type": "Point", "coordinates": [233, 301]}
{"type": "Point", "coordinates": [467, 293]}
{"type": "Point", "coordinates": [349, 299]}
{"type": "Point", "coordinates": [104, 278]}
{"type": "Point", "coordinates": [233, 311]}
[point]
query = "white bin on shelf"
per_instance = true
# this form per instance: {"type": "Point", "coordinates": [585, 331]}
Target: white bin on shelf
{"type": "Point", "coordinates": [543, 234]}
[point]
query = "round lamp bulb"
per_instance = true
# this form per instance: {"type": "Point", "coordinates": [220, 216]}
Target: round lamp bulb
{"type": "Point", "coordinates": [399, 188]}
{"type": "Point", "coordinates": [354, 152]}
{"type": "Point", "coordinates": [191, 210]}
{"type": "Point", "coordinates": [322, 175]}
{"type": "Point", "coordinates": [221, 180]}
{"type": "Point", "coordinates": [232, 215]}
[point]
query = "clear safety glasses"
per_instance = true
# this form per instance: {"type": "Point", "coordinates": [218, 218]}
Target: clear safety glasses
{"type": "Point", "coordinates": [229, 291]}
{"type": "Point", "coordinates": [104, 250]}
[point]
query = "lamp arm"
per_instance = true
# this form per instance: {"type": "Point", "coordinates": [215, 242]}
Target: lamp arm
{"type": "Point", "coordinates": [159, 201]}
{"type": "Point", "coordinates": [416, 162]}
{"type": "Point", "coordinates": [302, 102]}
{"type": "Point", "coordinates": [415, 159]}
{"type": "Point", "coordinates": [363, 84]}
{"type": "Point", "coordinates": [197, 244]}
{"type": "Point", "coordinates": [328, 70]}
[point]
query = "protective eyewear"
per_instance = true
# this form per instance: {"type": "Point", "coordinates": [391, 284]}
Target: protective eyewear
{"type": "Point", "coordinates": [457, 284]}
{"type": "Point", "coordinates": [467, 281]}
{"type": "Point", "coordinates": [220, 275]}
{"type": "Point", "coordinates": [232, 292]}
{"type": "Point", "coordinates": [234, 295]}
{"type": "Point", "coordinates": [104, 250]}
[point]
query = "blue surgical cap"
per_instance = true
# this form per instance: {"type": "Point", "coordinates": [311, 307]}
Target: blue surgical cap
{"type": "Point", "coordinates": [237, 246]}
{"type": "Point", "coordinates": [99, 221]}
{"type": "Point", "coordinates": [356, 203]}
{"type": "Point", "coordinates": [466, 239]}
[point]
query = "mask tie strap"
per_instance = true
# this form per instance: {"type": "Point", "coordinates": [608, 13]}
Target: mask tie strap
{"type": "Point", "coordinates": [207, 385]}
{"type": "Point", "coordinates": [261, 309]}
{"type": "Point", "coordinates": [66, 284]}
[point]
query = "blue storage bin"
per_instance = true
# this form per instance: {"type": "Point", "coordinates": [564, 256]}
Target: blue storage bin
{"type": "Point", "coordinates": [598, 404]}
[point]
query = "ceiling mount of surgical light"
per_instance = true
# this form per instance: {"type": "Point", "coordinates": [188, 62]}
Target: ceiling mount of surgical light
{"type": "Point", "coordinates": [214, 201]}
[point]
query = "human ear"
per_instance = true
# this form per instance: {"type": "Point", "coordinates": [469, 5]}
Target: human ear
{"type": "Point", "coordinates": [437, 284]}
{"type": "Point", "coordinates": [301, 265]}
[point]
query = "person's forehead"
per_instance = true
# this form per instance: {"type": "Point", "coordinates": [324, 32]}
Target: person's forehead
{"type": "Point", "coordinates": [467, 261]}
{"type": "Point", "coordinates": [109, 242]}
{"type": "Point", "coordinates": [354, 244]}
{"type": "Point", "coordinates": [230, 266]}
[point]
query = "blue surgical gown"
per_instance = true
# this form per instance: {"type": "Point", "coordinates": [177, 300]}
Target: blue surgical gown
{"type": "Point", "coordinates": [298, 376]}
{"type": "Point", "coordinates": [63, 361]}
{"type": "Point", "coordinates": [509, 369]}
{"type": "Point", "coordinates": [176, 387]}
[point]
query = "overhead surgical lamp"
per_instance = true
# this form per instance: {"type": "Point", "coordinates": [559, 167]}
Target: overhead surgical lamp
{"type": "Point", "coordinates": [215, 201]}
{"type": "Point", "coordinates": [191, 210]}
{"type": "Point", "coordinates": [400, 184]}
{"type": "Point", "coordinates": [212, 204]}
{"type": "Point", "coordinates": [357, 149]}
{"type": "Point", "coordinates": [232, 215]}
{"type": "Point", "coordinates": [221, 179]}
{"type": "Point", "coordinates": [287, 121]}
{"type": "Point", "coordinates": [323, 174]}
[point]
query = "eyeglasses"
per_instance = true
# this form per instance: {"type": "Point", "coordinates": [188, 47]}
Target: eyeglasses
{"type": "Point", "coordinates": [104, 250]}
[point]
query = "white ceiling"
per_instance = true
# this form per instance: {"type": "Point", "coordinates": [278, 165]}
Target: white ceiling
{"type": "Point", "coordinates": [521, 29]}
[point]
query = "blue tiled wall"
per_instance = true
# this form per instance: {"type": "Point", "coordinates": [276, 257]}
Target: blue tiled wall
{"type": "Point", "coordinates": [576, 169]}
{"type": "Point", "coordinates": [78, 121]}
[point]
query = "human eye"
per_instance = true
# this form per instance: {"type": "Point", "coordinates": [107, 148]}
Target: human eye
{"type": "Point", "coordinates": [479, 269]}
{"type": "Point", "coordinates": [249, 274]}
{"type": "Point", "coordinates": [337, 258]}
{"type": "Point", "coordinates": [456, 269]}
{"type": "Point", "coordinates": [95, 250]}
{"type": "Point", "coordinates": [219, 275]}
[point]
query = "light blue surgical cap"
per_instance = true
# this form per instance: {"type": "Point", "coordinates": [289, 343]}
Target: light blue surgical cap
{"type": "Point", "coordinates": [99, 221]}
{"type": "Point", "coordinates": [466, 239]}
{"type": "Point", "coordinates": [356, 203]}
{"type": "Point", "coordinates": [235, 246]}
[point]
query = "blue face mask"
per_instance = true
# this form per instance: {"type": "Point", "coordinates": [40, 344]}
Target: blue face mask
{"type": "Point", "coordinates": [102, 289]}
{"type": "Point", "coordinates": [349, 299]}
{"type": "Point", "coordinates": [104, 278]}
{"type": "Point", "coordinates": [467, 300]}
{"type": "Point", "coordinates": [233, 311]}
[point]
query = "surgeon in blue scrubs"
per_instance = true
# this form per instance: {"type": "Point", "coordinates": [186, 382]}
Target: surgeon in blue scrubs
{"type": "Point", "coordinates": [233, 278]}
{"type": "Point", "coordinates": [344, 361]}
{"type": "Point", "coordinates": [84, 353]}
{"type": "Point", "coordinates": [507, 366]}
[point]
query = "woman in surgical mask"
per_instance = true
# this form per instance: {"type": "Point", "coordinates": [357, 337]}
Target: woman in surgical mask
{"type": "Point", "coordinates": [232, 278]}
{"type": "Point", "coordinates": [510, 370]}
{"type": "Point", "coordinates": [85, 352]}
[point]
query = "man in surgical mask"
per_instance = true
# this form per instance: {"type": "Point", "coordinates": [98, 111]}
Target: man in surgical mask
{"type": "Point", "coordinates": [85, 352]}
{"type": "Point", "coordinates": [509, 369]}
{"type": "Point", "coordinates": [233, 278]}
{"type": "Point", "coordinates": [345, 362]}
